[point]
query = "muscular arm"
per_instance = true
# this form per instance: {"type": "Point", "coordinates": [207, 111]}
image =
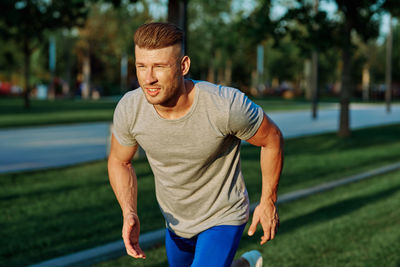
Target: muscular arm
{"type": "Point", "coordinates": [124, 183]}
{"type": "Point", "coordinates": [269, 138]}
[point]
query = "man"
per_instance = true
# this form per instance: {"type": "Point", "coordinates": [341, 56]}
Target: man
{"type": "Point", "coordinates": [191, 132]}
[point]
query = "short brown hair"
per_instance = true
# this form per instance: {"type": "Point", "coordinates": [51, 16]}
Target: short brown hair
{"type": "Point", "coordinates": [157, 35]}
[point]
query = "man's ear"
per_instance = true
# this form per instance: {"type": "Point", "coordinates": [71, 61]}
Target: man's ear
{"type": "Point", "coordinates": [185, 65]}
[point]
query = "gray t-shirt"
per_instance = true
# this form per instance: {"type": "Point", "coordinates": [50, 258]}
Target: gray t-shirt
{"type": "Point", "coordinates": [195, 159]}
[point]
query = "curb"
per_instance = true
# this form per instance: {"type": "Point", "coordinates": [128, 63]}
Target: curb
{"type": "Point", "coordinates": [117, 249]}
{"type": "Point", "coordinates": [101, 253]}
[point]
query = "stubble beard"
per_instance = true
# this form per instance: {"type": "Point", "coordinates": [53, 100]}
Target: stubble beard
{"type": "Point", "coordinates": [166, 98]}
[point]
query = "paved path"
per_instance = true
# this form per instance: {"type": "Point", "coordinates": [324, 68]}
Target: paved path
{"type": "Point", "coordinates": [52, 146]}
{"type": "Point", "coordinates": [300, 123]}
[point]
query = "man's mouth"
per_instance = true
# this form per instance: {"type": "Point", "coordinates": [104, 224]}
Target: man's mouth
{"type": "Point", "coordinates": [152, 91]}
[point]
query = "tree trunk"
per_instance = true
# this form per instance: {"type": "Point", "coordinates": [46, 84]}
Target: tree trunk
{"type": "Point", "coordinates": [211, 72]}
{"type": "Point", "coordinates": [68, 70]}
{"type": "Point", "coordinates": [228, 72]}
{"type": "Point", "coordinates": [177, 14]}
{"type": "Point", "coordinates": [86, 92]}
{"type": "Point", "coordinates": [314, 75]}
{"type": "Point", "coordinates": [345, 92]}
{"type": "Point", "coordinates": [314, 84]}
{"type": "Point", "coordinates": [307, 79]}
{"type": "Point", "coordinates": [174, 12]}
{"type": "Point", "coordinates": [27, 73]}
{"type": "Point", "coordinates": [388, 74]}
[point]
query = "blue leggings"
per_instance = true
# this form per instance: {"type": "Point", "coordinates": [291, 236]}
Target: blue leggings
{"type": "Point", "coordinates": [213, 247]}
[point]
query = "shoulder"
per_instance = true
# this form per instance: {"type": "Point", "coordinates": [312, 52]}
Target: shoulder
{"type": "Point", "coordinates": [132, 101]}
{"type": "Point", "coordinates": [130, 105]}
{"type": "Point", "coordinates": [218, 93]}
{"type": "Point", "coordinates": [132, 96]}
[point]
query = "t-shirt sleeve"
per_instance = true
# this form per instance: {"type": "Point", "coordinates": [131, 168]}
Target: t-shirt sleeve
{"type": "Point", "coordinates": [245, 116]}
{"type": "Point", "coordinates": [122, 123]}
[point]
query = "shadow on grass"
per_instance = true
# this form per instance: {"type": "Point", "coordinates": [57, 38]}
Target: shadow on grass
{"type": "Point", "coordinates": [335, 210]}
{"type": "Point", "coordinates": [326, 213]}
{"type": "Point", "coordinates": [65, 232]}
{"type": "Point", "coordinates": [362, 138]}
{"type": "Point", "coordinates": [328, 143]}
{"type": "Point", "coordinates": [47, 191]}
{"type": "Point", "coordinates": [323, 158]}
{"type": "Point", "coordinates": [163, 264]}
{"type": "Point", "coordinates": [14, 178]}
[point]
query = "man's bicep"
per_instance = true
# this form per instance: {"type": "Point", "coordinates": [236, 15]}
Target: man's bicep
{"type": "Point", "coordinates": [120, 152]}
{"type": "Point", "coordinates": [266, 133]}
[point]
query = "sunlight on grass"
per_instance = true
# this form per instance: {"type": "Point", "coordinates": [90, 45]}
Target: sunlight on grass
{"type": "Point", "coordinates": [346, 226]}
{"type": "Point", "coordinates": [69, 209]}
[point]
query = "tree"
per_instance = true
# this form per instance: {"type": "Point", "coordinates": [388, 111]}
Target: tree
{"type": "Point", "coordinates": [27, 21]}
{"type": "Point", "coordinates": [10, 60]}
{"type": "Point", "coordinates": [254, 30]}
{"type": "Point", "coordinates": [177, 14]}
{"type": "Point", "coordinates": [361, 17]}
{"type": "Point", "coordinates": [105, 41]}
{"type": "Point", "coordinates": [356, 17]}
{"type": "Point", "coordinates": [396, 52]}
{"type": "Point", "coordinates": [210, 38]}
{"type": "Point", "coordinates": [388, 69]}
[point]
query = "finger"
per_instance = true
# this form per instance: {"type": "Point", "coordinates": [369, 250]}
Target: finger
{"type": "Point", "coordinates": [265, 238]}
{"type": "Point", "coordinates": [131, 253]}
{"type": "Point", "coordinates": [136, 255]}
{"type": "Point", "coordinates": [267, 228]}
{"type": "Point", "coordinates": [128, 246]}
{"type": "Point", "coordinates": [269, 231]}
{"type": "Point", "coordinates": [135, 252]}
{"type": "Point", "coordinates": [126, 236]}
{"type": "Point", "coordinates": [139, 251]}
{"type": "Point", "coordinates": [253, 226]}
{"type": "Point", "coordinates": [274, 229]}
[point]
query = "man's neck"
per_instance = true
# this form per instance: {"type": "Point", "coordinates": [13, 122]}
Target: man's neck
{"type": "Point", "coordinates": [183, 104]}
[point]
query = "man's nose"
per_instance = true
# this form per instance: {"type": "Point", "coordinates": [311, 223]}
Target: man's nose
{"type": "Point", "coordinates": [150, 76]}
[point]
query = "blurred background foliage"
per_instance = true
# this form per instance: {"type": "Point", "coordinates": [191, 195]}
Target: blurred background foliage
{"type": "Point", "coordinates": [94, 50]}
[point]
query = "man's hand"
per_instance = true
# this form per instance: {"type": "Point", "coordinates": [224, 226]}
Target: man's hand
{"type": "Point", "coordinates": [130, 234]}
{"type": "Point", "coordinates": [267, 215]}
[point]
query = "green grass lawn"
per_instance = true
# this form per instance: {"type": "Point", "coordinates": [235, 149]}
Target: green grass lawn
{"type": "Point", "coordinates": [13, 113]}
{"type": "Point", "coordinates": [62, 111]}
{"type": "Point", "coordinates": [55, 212]}
{"type": "Point", "coordinates": [354, 225]}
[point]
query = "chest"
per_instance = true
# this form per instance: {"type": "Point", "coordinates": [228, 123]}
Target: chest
{"type": "Point", "coordinates": [196, 138]}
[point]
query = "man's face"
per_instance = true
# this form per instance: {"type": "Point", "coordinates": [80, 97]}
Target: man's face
{"type": "Point", "coordinates": [159, 74]}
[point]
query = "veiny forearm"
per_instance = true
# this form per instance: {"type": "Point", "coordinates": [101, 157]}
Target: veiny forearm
{"type": "Point", "coordinates": [271, 161]}
{"type": "Point", "coordinates": [124, 183]}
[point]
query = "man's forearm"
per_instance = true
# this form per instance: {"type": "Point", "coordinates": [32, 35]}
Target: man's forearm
{"type": "Point", "coordinates": [271, 161]}
{"type": "Point", "coordinates": [124, 183]}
